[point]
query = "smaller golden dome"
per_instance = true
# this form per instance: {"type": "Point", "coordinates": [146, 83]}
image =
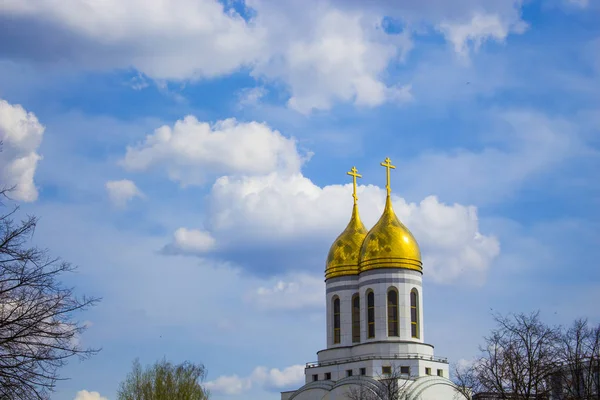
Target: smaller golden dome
{"type": "Point", "coordinates": [344, 252]}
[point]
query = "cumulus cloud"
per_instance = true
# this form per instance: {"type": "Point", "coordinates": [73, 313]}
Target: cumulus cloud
{"type": "Point", "coordinates": [294, 292]}
{"type": "Point", "coordinates": [123, 191]}
{"type": "Point", "coordinates": [191, 150]}
{"type": "Point", "coordinates": [190, 241]}
{"type": "Point", "coordinates": [328, 55]}
{"type": "Point", "coordinates": [173, 40]}
{"type": "Point", "coordinates": [276, 223]}
{"type": "Point", "coordinates": [269, 379]}
{"type": "Point", "coordinates": [278, 379]}
{"type": "Point", "coordinates": [85, 395]}
{"type": "Point", "coordinates": [230, 385]}
{"type": "Point", "coordinates": [323, 53]}
{"type": "Point", "coordinates": [21, 135]}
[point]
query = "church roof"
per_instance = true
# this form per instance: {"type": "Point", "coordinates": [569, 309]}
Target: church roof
{"type": "Point", "coordinates": [343, 254]}
{"type": "Point", "coordinates": [389, 244]}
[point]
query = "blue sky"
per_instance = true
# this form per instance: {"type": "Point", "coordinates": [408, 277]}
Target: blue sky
{"type": "Point", "coordinates": [190, 157]}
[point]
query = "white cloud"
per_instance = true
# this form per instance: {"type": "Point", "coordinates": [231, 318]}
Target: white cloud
{"type": "Point", "coordinates": [21, 135]}
{"type": "Point", "coordinates": [479, 28]}
{"type": "Point", "coordinates": [323, 53]}
{"type": "Point", "coordinates": [251, 96]}
{"type": "Point", "coordinates": [278, 379]}
{"type": "Point", "coordinates": [294, 221]}
{"type": "Point", "coordinates": [138, 82]}
{"type": "Point", "coordinates": [174, 40]}
{"type": "Point", "coordinates": [269, 379]}
{"type": "Point", "coordinates": [328, 55]}
{"type": "Point", "coordinates": [230, 385]}
{"type": "Point", "coordinates": [85, 395]}
{"type": "Point", "coordinates": [295, 292]}
{"type": "Point", "coordinates": [123, 191]}
{"type": "Point", "coordinates": [192, 150]}
{"type": "Point", "coordinates": [190, 241]}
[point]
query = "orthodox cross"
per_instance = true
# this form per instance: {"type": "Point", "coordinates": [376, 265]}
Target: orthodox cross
{"type": "Point", "coordinates": [354, 174]}
{"type": "Point", "coordinates": [388, 164]}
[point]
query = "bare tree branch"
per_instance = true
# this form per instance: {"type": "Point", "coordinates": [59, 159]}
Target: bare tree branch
{"type": "Point", "coordinates": [578, 376]}
{"type": "Point", "coordinates": [517, 361]}
{"type": "Point", "coordinates": [37, 331]}
{"type": "Point", "coordinates": [390, 387]}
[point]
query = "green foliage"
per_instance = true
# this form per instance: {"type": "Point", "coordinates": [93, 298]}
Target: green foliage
{"type": "Point", "coordinates": [164, 381]}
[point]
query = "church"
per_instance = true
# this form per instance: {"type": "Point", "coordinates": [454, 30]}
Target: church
{"type": "Point", "coordinates": [375, 327]}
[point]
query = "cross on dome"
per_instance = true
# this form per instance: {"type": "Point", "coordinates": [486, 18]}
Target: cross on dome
{"type": "Point", "coordinates": [388, 164]}
{"type": "Point", "coordinates": [354, 174]}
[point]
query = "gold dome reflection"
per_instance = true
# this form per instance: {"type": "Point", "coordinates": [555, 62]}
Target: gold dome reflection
{"type": "Point", "coordinates": [389, 244]}
{"type": "Point", "coordinates": [344, 252]}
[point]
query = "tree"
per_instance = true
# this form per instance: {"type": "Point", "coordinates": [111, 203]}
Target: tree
{"type": "Point", "coordinates": [38, 334]}
{"type": "Point", "coordinates": [164, 381]}
{"type": "Point", "coordinates": [517, 361]}
{"type": "Point", "coordinates": [389, 387]}
{"type": "Point", "coordinates": [578, 375]}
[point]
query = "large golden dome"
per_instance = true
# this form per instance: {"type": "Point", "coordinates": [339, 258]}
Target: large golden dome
{"type": "Point", "coordinates": [344, 252]}
{"type": "Point", "coordinates": [389, 244]}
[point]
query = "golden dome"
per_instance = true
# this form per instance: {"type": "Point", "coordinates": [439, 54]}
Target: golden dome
{"type": "Point", "coordinates": [343, 254]}
{"type": "Point", "coordinates": [389, 244]}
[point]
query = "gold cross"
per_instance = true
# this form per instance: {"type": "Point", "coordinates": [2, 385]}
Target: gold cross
{"type": "Point", "coordinates": [388, 164]}
{"type": "Point", "coordinates": [354, 174]}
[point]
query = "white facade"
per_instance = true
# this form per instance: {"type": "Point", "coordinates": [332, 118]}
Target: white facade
{"type": "Point", "coordinates": [347, 363]}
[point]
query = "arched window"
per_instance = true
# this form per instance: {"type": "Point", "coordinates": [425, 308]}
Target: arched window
{"type": "Point", "coordinates": [355, 318]}
{"type": "Point", "coordinates": [370, 314]}
{"type": "Point", "coordinates": [336, 320]}
{"type": "Point", "coordinates": [414, 313]}
{"type": "Point", "coordinates": [392, 308]}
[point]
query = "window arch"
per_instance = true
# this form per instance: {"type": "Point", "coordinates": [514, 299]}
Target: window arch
{"type": "Point", "coordinates": [414, 313]}
{"type": "Point", "coordinates": [392, 308]}
{"type": "Point", "coordinates": [355, 318]}
{"type": "Point", "coordinates": [336, 321]}
{"type": "Point", "coordinates": [370, 314]}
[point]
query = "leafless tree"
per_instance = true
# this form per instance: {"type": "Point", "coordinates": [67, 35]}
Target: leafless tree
{"type": "Point", "coordinates": [164, 381]}
{"type": "Point", "coordinates": [390, 387]}
{"type": "Point", "coordinates": [578, 375]}
{"type": "Point", "coordinates": [37, 331]}
{"type": "Point", "coordinates": [517, 360]}
{"type": "Point", "coordinates": [466, 381]}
